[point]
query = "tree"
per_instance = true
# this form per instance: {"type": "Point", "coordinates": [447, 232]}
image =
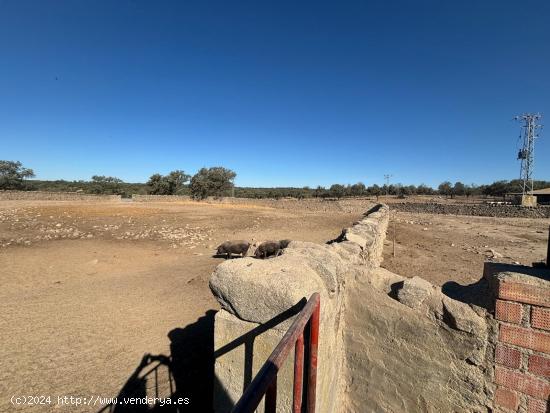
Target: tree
{"type": "Point", "coordinates": [471, 190]}
{"type": "Point", "coordinates": [215, 181]}
{"type": "Point", "coordinates": [176, 179]}
{"type": "Point", "coordinates": [12, 175]}
{"type": "Point", "coordinates": [337, 191]}
{"type": "Point", "coordinates": [404, 190]}
{"type": "Point", "coordinates": [411, 190]}
{"type": "Point", "coordinates": [157, 185]}
{"type": "Point", "coordinates": [106, 185]}
{"type": "Point", "coordinates": [358, 189]}
{"type": "Point", "coordinates": [445, 188]}
{"type": "Point", "coordinates": [458, 189]}
{"type": "Point", "coordinates": [170, 184]}
{"type": "Point", "coordinates": [319, 192]}
{"type": "Point", "coordinates": [497, 188]}
{"type": "Point", "coordinates": [375, 190]}
{"type": "Point", "coordinates": [423, 189]}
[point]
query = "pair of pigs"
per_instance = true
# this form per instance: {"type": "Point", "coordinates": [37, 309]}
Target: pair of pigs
{"type": "Point", "coordinates": [265, 249]}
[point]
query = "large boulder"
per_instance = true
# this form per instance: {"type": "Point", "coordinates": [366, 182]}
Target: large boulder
{"type": "Point", "coordinates": [259, 290]}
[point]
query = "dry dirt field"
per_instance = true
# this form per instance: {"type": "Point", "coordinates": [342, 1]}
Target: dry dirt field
{"type": "Point", "coordinates": [442, 248]}
{"type": "Point", "coordinates": [88, 289]}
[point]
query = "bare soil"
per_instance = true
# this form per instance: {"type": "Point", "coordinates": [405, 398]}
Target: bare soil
{"type": "Point", "coordinates": [442, 248]}
{"type": "Point", "coordinates": [89, 289]}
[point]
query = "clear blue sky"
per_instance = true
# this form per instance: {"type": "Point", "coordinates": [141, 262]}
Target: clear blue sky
{"type": "Point", "coordinates": [285, 93]}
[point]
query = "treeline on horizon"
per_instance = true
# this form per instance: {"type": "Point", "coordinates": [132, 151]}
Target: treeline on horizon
{"type": "Point", "coordinates": [218, 182]}
{"type": "Point", "coordinates": [126, 189]}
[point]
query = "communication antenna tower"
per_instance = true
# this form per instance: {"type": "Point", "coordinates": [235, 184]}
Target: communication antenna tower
{"type": "Point", "coordinates": [387, 179]}
{"type": "Point", "coordinates": [526, 154]}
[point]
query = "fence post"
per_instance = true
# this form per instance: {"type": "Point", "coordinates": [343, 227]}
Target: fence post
{"type": "Point", "coordinates": [271, 397]}
{"type": "Point", "coordinates": [312, 365]}
{"type": "Point", "coordinates": [298, 374]}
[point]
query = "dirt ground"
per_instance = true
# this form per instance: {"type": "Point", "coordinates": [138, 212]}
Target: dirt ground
{"type": "Point", "coordinates": [441, 248]}
{"type": "Point", "coordinates": [89, 289]}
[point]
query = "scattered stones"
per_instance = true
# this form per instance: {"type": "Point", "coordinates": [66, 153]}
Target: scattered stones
{"type": "Point", "coordinates": [493, 254]}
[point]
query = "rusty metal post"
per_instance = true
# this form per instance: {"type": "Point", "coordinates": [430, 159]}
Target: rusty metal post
{"type": "Point", "coordinates": [298, 375]}
{"type": "Point", "coordinates": [312, 365]}
{"type": "Point", "coordinates": [265, 382]}
{"type": "Point", "coordinates": [394, 237]}
{"type": "Point", "coordinates": [271, 397]}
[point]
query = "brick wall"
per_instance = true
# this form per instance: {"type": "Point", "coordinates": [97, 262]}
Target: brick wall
{"type": "Point", "coordinates": [522, 353]}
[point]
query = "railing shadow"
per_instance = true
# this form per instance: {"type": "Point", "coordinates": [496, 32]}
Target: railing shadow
{"type": "Point", "coordinates": [188, 372]}
{"type": "Point", "coordinates": [223, 401]}
{"type": "Point", "coordinates": [150, 379]}
{"type": "Point", "coordinates": [248, 338]}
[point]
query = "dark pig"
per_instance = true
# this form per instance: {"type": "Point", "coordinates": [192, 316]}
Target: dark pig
{"type": "Point", "coordinates": [234, 247]}
{"type": "Point", "coordinates": [271, 248]}
{"type": "Point", "coordinates": [284, 243]}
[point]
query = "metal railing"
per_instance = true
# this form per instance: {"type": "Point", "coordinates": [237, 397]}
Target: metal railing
{"type": "Point", "coordinates": [265, 382]}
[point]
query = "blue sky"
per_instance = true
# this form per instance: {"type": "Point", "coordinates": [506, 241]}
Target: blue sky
{"type": "Point", "coordinates": [284, 93]}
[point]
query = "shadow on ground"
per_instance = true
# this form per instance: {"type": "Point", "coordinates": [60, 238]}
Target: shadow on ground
{"type": "Point", "coordinates": [478, 293]}
{"type": "Point", "coordinates": [185, 377]}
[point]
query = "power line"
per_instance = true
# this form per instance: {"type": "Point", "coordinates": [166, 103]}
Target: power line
{"type": "Point", "coordinates": [526, 154]}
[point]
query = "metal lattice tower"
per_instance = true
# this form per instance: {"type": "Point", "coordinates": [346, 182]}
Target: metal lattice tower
{"type": "Point", "coordinates": [526, 154]}
{"type": "Point", "coordinates": [387, 179]}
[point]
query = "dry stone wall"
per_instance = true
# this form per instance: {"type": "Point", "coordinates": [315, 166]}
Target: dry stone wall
{"type": "Point", "coordinates": [160, 198]}
{"type": "Point", "coordinates": [254, 293]}
{"type": "Point", "coordinates": [387, 343]}
{"type": "Point", "coordinates": [486, 210]}
{"type": "Point", "coordinates": [310, 204]}
{"type": "Point", "coordinates": [55, 196]}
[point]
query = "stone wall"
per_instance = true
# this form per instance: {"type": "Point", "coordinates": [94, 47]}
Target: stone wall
{"type": "Point", "coordinates": [256, 296]}
{"type": "Point", "coordinates": [160, 198]}
{"type": "Point", "coordinates": [522, 354]}
{"type": "Point", "coordinates": [55, 196]}
{"type": "Point", "coordinates": [410, 347]}
{"type": "Point", "coordinates": [310, 204]}
{"type": "Point", "coordinates": [387, 343]}
{"type": "Point", "coordinates": [486, 210]}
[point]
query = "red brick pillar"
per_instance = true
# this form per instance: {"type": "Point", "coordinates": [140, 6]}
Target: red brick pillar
{"type": "Point", "coordinates": [522, 354]}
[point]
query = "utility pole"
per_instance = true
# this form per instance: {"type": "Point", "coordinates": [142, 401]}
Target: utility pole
{"type": "Point", "coordinates": [387, 178]}
{"type": "Point", "coordinates": [526, 154]}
